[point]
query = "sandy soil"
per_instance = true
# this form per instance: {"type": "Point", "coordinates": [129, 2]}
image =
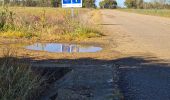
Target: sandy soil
{"type": "Point", "coordinates": [105, 42]}
{"type": "Point", "coordinates": [138, 43]}
{"type": "Point", "coordinates": [135, 33]}
{"type": "Point", "coordinates": [125, 34]}
{"type": "Point", "coordinates": [145, 42]}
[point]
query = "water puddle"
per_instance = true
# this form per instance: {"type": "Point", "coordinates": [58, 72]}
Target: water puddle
{"type": "Point", "coordinates": [60, 47]}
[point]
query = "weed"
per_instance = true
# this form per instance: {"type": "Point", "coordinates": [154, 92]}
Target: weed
{"type": "Point", "coordinates": [43, 23]}
{"type": "Point", "coordinates": [17, 81]}
{"type": "Point", "coordinates": [155, 12]}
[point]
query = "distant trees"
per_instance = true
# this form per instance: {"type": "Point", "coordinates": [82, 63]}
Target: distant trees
{"type": "Point", "coordinates": [134, 3]}
{"type": "Point", "coordinates": [30, 3]}
{"type": "Point", "coordinates": [110, 4]}
{"type": "Point", "coordinates": [89, 4]}
{"type": "Point", "coordinates": [102, 4]}
{"type": "Point", "coordinates": [130, 3]}
{"type": "Point", "coordinates": [55, 3]}
{"type": "Point", "coordinates": [140, 4]}
{"type": "Point", "coordinates": [158, 4]}
{"type": "Point", "coordinates": [26, 2]}
{"type": "Point", "coordinates": [42, 3]}
{"type": "Point", "coordinates": [46, 3]}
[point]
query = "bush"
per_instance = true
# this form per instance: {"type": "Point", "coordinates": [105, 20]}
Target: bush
{"type": "Point", "coordinates": [17, 81]}
{"type": "Point", "coordinates": [6, 19]}
{"type": "Point", "coordinates": [26, 24]}
{"type": "Point", "coordinates": [108, 4]}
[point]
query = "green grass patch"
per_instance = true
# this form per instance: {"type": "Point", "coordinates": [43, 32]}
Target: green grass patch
{"type": "Point", "coordinates": [87, 32]}
{"type": "Point", "coordinates": [17, 34]}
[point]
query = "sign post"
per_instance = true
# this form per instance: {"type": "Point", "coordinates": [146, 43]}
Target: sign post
{"type": "Point", "coordinates": [72, 4]}
{"type": "Point", "coordinates": [72, 12]}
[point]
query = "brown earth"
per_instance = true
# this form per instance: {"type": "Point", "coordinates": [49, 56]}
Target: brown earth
{"type": "Point", "coordinates": [144, 40]}
{"type": "Point", "coordinates": [139, 44]}
{"type": "Point", "coordinates": [136, 33]}
{"type": "Point", "coordinates": [125, 34]}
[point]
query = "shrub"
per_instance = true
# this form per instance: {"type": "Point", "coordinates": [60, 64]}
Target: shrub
{"type": "Point", "coordinates": [6, 19]}
{"type": "Point", "coordinates": [40, 24]}
{"type": "Point", "coordinates": [17, 81]}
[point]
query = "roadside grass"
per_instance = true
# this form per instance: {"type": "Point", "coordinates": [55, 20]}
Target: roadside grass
{"type": "Point", "coordinates": [16, 34]}
{"type": "Point", "coordinates": [17, 81]}
{"type": "Point", "coordinates": [45, 24]}
{"type": "Point", "coordinates": [154, 12]}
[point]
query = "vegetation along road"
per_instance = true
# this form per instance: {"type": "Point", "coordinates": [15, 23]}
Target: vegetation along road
{"type": "Point", "coordinates": [144, 72]}
{"type": "Point", "coordinates": [119, 51]}
{"type": "Point", "coordinates": [133, 44]}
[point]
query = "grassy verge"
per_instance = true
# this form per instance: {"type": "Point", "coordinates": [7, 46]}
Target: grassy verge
{"type": "Point", "coordinates": [154, 12]}
{"type": "Point", "coordinates": [45, 24]}
{"type": "Point", "coordinates": [17, 81]}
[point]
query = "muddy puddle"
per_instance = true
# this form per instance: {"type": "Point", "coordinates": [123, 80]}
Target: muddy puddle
{"type": "Point", "coordinates": [62, 48]}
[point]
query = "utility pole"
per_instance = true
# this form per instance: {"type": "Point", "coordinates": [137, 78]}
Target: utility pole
{"type": "Point", "coordinates": [3, 2]}
{"type": "Point", "coordinates": [72, 12]}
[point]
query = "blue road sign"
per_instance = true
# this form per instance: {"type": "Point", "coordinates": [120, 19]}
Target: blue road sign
{"type": "Point", "coordinates": [76, 1]}
{"type": "Point", "coordinates": [71, 3]}
{"type": "Point", "coordinates": [66, 1]}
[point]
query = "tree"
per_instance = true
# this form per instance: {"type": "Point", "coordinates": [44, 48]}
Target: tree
{"type": "Point", "coordinates": [6, 2]}
{"type": "Point", "coordinates": [44, 3]}
{"type": "Point", "coordinates": [56, 3]}
{"type": "Point", "coordinates": [157, 4]}
{"type": "Point", "coordinates": [101, 4]}
{"type": "Point", "coordinates": [134, 3]}
{"type": "Point", "coordinates": [89, 4]}
{"type": "Point", "coordinates": [130, 3]}
{"type": "Point", "coordinates": [108, 4]}
{"type": "Point", "coordinates": [139, 4]}
{"type": "Point", "coordinates": [30, 3]}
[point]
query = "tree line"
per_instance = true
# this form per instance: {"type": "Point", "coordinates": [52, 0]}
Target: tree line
{"type": "Point", "coordinates": [137, 4]}
{"type": "Point", "coordinates": [43, 3]}
{"type": "Point", "coordinates": [110, 4]}
{"type": "Point", "coordinates": [154, 4]}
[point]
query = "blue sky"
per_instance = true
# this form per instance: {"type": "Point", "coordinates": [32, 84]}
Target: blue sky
{"type": "Point", "coordinates": [120, 2]}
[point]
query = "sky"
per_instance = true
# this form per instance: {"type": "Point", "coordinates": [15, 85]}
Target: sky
{"type": "Point", "coordinates": [120, 3]}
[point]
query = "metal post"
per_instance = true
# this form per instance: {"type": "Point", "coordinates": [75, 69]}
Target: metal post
{"type": "Point", "coordinates": [3, 2]}
{"type": "Point", "coordinates": [72, 12]}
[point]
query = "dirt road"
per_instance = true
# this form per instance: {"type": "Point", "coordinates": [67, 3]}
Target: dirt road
{"type": "Point", "coordinates": [139, 44]}
{"type": "Point", "coordinates": [141, 38]}
{"type": "Point", "coordinates": [140, 33]}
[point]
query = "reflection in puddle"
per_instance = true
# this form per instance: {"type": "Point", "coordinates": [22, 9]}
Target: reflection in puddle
{"type": "Point", "coordinates": [58, 47]}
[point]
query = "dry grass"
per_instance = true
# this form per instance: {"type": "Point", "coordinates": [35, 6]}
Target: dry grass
{"type": "Point", "coordinates": [154, 12]}
{"type": "Point", "coordinates": [17, 81]}
{"type": "Point", "coordinates": [46, 24]}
